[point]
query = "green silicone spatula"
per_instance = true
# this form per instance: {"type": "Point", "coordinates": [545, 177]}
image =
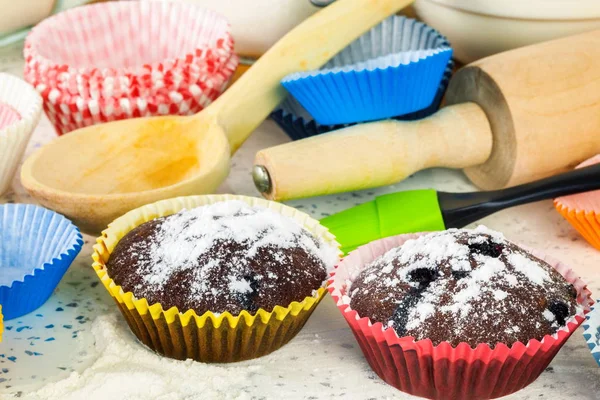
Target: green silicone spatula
{"type": "Point", "coordinates": [429, 210]}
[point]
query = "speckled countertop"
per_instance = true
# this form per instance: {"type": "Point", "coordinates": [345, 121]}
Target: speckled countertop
{"type": "Point", "coordinates": [323, 361]}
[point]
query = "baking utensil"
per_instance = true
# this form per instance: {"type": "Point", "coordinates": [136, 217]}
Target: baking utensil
{"type": "Point", "coordinates": [394, 69]}
{"type": "Point", "coordinates": [444, 372]}
{"type": "Point", "coordinates": [22, 109]}
{"type": "Point", "coordinates": [591, 332]}
{"type": "Point", "coordinates": [512, 118]}
{"type": "Point", "coordinates": [157, 71]}
{"type": "Point", "coordinates": [299, 124]}
{"type": "Point", "coordinates": [481, 28]}
{"type": "Point", "coordinates": [428, 210]}
{"type": "Point", "coordinates": [95, 174]}
{"type": "Point", "coordinates": [583, 210]}
{"type": "Point", "coordinates": [37, 246]}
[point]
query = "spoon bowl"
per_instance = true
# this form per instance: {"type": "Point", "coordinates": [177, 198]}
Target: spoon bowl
{"type": "Point", "coordinates": [98, 173]}
{"type": "Point", "coordinates": [129, 164]}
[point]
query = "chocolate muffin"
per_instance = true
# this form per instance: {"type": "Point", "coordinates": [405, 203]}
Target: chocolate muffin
{"type": "Point", "coordinates": [227, 256]}
{"type": "Point", "coordinates": [468, 286]}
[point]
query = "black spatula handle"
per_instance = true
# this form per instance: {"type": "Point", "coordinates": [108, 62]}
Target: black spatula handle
{"type": "Point", "coordinates": [460, 209]}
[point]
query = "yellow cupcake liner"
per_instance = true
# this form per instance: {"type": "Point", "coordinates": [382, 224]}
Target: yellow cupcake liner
{"type": "Point", "coordinates": [210, 337]}
{"type": "Point", "coordinates": [587, 223]}
{"type": "Point", "coordinates": [1, 323]}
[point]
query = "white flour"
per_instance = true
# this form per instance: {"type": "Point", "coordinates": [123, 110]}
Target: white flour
{"type": "Point", "coordinates": [126, 370]}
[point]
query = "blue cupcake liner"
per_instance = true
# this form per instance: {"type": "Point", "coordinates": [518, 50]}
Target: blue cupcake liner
{"type": "Point", "coordinates": [299, 124]}
{"type": "Point", "coordinates": [37, 246]}
{"type": "Point", "coordinates": [591, 331]}
{"type": "Point", "coordinates": [394, 69]}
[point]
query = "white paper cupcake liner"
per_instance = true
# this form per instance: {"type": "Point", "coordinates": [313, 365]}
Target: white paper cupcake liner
{"type": "Point", "coordinates": [394, 69]}
{"type": "Point", "coordinates": [14, 136]}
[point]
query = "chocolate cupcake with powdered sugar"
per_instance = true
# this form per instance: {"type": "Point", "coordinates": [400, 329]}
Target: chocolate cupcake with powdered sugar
{"type": "Point", "coordinates": [468, 286]}
{"type": "Point", "coordinates": [458, 314]}
{"type": "Point", "coordinates": [224, 257]}
{"type": "Point", "coordinates": [215, 278]}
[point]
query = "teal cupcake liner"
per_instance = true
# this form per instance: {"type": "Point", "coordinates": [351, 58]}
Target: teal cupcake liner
{"type": "Point", "coordinates": [37, 246]}
{"type": "Point", "coordinates": [394, 69]}
{"type": "Point", "coordinates": [591, 332]}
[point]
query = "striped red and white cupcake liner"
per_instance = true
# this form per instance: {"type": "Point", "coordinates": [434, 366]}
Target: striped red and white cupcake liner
{"type": "Point", "coordinates": [100, 63]}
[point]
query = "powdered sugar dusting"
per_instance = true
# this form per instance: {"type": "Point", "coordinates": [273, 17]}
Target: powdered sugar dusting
{"type": "Point", "coordinates": [227, 256]}
{"type": "Point", "coordinates": [186, 236]}
{"type": "Point", "coordinates": [529, 268]}
{"type": "Point", "coordinates": [443, 282]}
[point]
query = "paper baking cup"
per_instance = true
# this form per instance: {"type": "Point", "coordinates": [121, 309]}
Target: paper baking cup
{"type": "Point", "coordinates": [394, 69]}
{"type": "Point", "coordinates": [37, 246]}
{"type": "Point", "coordinates": [8, 115]}
{"type": "Point", "coordinates": [69, 112]}
{"type": "Point", "coordinates": [591, 332]}
{"type": "Point", "coordinates": [1, 323]}
{"type": "Point", "coordinates": [443, 371]}
{"type": "Point", "coordinates": [299, 124]}
{"type": "Point", "coordinates": [209, 337]}
{"type": "Point", "coordinates": [117, 60]}
{"type": "Point", "coordinates": [583, 210]}
{"type": "Point", "coordinates": [117, 45]}
{"type": "Point", "coordinates": [14, 134]}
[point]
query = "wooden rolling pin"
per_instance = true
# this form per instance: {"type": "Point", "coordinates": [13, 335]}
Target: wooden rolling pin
{"type": "Point", "coordinates": [511, 118]}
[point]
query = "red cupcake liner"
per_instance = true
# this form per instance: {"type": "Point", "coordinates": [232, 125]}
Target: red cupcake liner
{"type": "Point", "coordinates": [106, 48]}
{"type": "Point", "coordinates": [443, 371]}
{"type": "Point", "coordinates": [68, 113]}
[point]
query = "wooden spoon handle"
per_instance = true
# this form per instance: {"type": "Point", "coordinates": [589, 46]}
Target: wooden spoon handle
{"type": "Point", "coordinates": [308, 46]}
{"type": "Point", "coordinates": [374, 154]}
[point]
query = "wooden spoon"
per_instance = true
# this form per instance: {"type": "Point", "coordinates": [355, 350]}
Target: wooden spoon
{"type": "Point", "coordinates": [98, 173]}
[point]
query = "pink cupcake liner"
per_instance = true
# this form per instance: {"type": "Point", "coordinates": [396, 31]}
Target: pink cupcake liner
{"type": "Point", "coordinates": [115, 47]}
{"type": "Point", "coordinates": [8, 115]}
{"type": "Point", "coordinates": [443, 371]}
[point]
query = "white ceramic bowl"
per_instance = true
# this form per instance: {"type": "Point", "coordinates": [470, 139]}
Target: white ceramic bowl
{"type": "Point", "coordinates": [479, 28]}
{"type": "Point", "coordinates": [17, 14]}
{"type": "Point", "coordinates": [257, 24]}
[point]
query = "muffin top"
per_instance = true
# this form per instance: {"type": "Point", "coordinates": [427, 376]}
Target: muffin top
{"type": "Point", "coordinates": [226, 256]}
{"type": "Point", "coordinates": [463, 285]}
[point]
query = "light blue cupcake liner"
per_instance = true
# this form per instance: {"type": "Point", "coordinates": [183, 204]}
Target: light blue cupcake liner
{"type": "Point", "coordinates": [394, 69]}
{"type": "Point", "coordinates": [591, 331]}
{"type": "Point", "coordinates": [37, 246]}
{"type": "Point", "coordinates": [299, 124]}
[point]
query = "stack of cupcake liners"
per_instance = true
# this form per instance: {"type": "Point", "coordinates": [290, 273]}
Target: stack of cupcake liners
{"type": "Point", "coordinates": [20, 111]}
{"type": "Point", "coordinates": [591, 332]}
{"type": "Point", "coordinates": [298, 124]}
{"type": "Point", "coordinates": [37, 246]}
{"type": "Point", "coordinates": [443, 371]}
{"type": "Point", "coordinates": [113, 67]}
{"type": "Point", "coordinates": [392, 70]}
{"type": "Point", "coordinates": [209, 337]}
